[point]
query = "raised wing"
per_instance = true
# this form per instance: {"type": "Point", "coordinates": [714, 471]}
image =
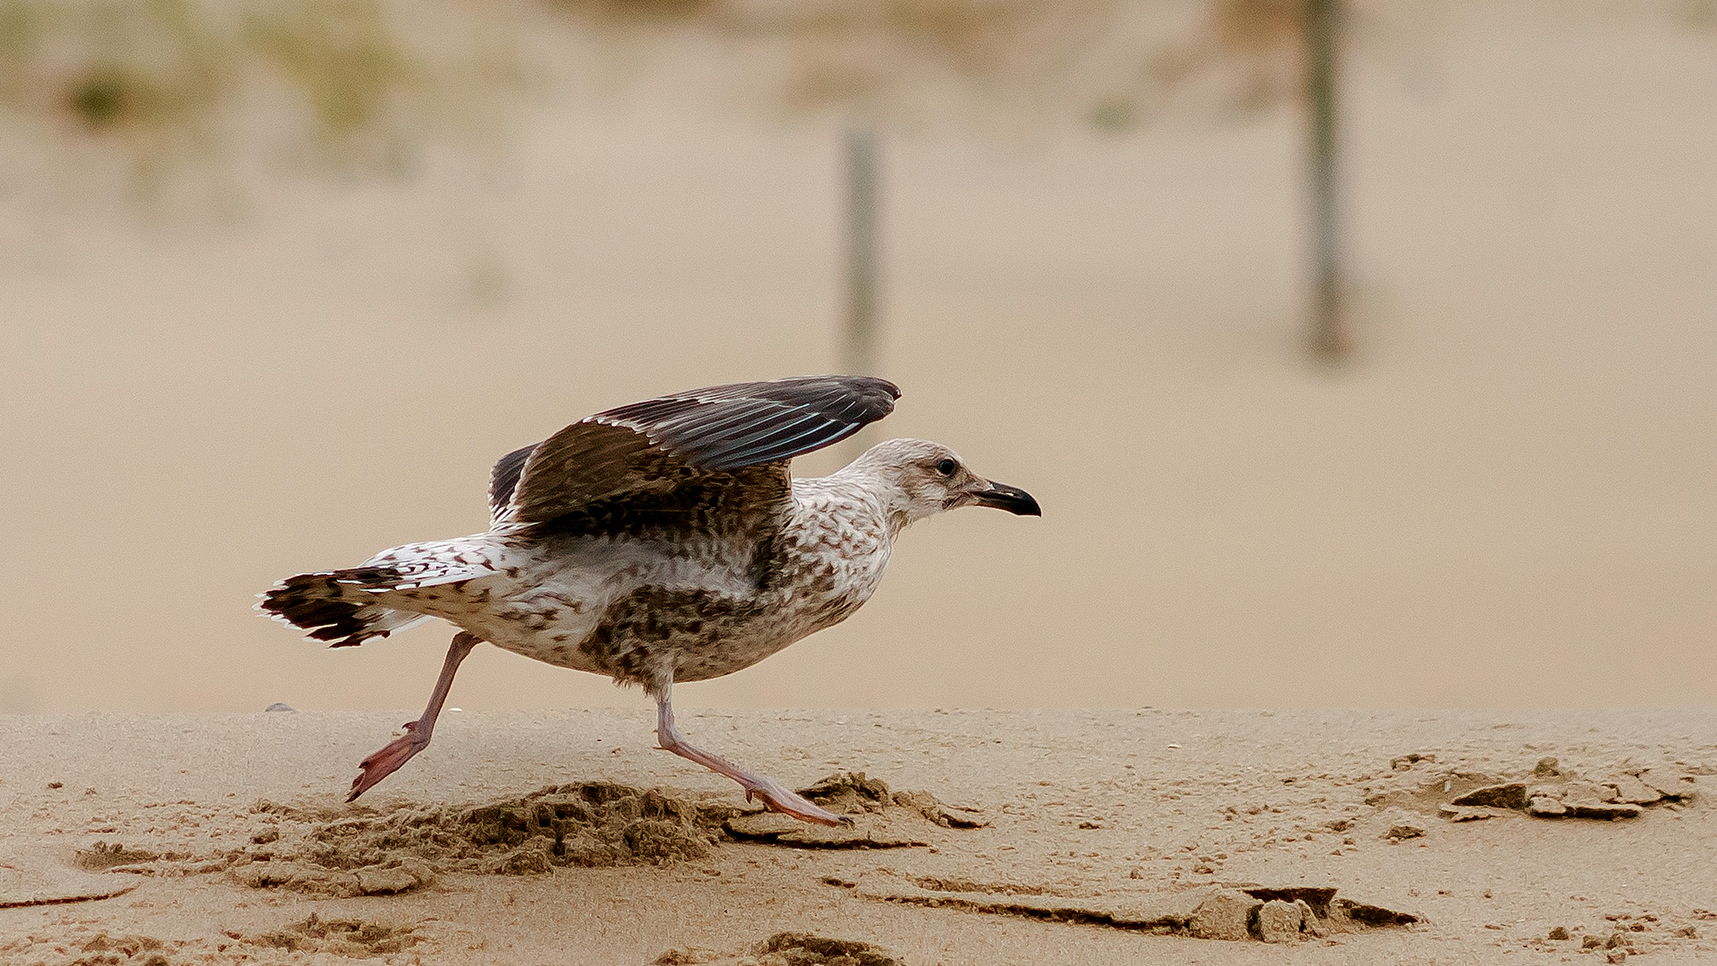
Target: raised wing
{"type": "Point", "coordinates": [719, 438]}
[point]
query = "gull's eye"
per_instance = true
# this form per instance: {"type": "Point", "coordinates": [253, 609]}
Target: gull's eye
{"type": "Point", "coordinates": [947, 467]}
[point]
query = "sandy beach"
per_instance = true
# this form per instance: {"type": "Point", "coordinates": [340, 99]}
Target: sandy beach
{"type": "Point", "coordinates": [1001, 837]}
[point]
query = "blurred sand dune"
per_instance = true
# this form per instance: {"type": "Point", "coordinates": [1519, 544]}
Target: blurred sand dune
{"type": "Point", "coordinates": [1508, 501]}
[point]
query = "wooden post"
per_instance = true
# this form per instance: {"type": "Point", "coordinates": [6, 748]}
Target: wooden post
{"type": "Point", "coordinates": [1330, 340]}
{"type": "Point", "coordinates": [860, 334]}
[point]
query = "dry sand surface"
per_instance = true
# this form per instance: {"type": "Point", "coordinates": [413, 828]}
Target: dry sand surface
{"type": "Point", "coordinates": [979, 837]}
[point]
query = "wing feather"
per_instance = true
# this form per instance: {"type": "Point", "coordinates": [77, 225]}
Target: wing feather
{"type": "Point", "coordinates": [504, 479]}
{"type": "Point", "coordinates": [696, 439]}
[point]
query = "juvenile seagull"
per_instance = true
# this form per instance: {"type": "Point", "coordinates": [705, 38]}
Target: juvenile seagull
{"type": "Point", "coordinates": [662, 541]}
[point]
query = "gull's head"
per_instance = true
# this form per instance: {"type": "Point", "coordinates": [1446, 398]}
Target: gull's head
{"type": "Point", "coordinates": [925, 478]}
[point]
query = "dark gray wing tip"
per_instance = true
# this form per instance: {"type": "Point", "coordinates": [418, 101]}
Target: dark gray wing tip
{"type": "Point", "coordinates": [729, 427]}
{"type": "Point", "coordinates": [504, 478]}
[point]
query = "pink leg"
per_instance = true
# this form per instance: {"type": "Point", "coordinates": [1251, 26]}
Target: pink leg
{"type": "Point", "coordinates": [775, 795]}
{"type": "Point", "coordinates": [417, 733]}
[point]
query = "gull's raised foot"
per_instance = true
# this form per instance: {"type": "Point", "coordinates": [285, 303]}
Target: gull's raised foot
{"type": "Point", "coordinates": [780, 799]}
{"type": "Point", "coordinates": [387, 761]}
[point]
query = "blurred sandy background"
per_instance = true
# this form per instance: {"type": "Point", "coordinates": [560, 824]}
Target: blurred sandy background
{"type": "Point", "coordinates": [259, 365]}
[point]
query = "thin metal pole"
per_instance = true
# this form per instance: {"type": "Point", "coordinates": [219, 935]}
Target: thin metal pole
{"type": "Point", "coordinates": [1330, 340]}
{"type": "Point", "coordinates": [859, 338]}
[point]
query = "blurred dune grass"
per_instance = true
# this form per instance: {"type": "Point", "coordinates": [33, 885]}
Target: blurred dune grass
{"type": "Point", "coordinates": [357, 85]}
{"type": "Point", "coordinates": [156, 84]}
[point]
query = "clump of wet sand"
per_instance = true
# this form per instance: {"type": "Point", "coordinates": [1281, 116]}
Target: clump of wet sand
{"type": "Point", "coordinates": [340, 936]}
{"type": "Point", "coordinates": [1548, 790]}
{"type": "Point", "coordinates": [590, 824]}
{"type": "Point", "coordinates": [785, 949]}
{"type": "Point", "coordinates": [345, 937]}
{"type": "Point", "coordinates": [356, 850]}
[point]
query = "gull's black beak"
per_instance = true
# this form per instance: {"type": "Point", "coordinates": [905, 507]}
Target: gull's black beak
{"type": "Point", "coordinates": [1009, 498]}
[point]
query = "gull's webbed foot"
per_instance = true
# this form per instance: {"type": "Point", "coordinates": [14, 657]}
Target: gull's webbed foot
{"type": "Point", "coordinates": [417, 733]}
{"type": "Point", "coordinates": [388, 760]}
{"type": "Point", "coordinates": [780, 799]}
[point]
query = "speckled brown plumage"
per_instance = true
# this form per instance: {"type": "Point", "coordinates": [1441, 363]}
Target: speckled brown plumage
{"type": "Point", "coordinates": [658, 542]}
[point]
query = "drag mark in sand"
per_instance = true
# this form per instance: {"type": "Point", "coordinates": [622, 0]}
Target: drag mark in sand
{"type": "Point", "coordinates": [1211, 911]}
{"type": "Point", "coordinates": [28, 879]}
